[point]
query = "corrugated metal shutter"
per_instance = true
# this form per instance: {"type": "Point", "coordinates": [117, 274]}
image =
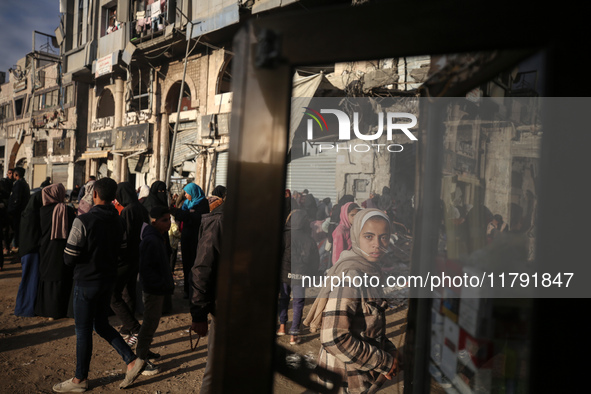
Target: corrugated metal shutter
{"type": "Point", "coordinates": [221, 169]}
{"type": "Point", "coordinates": [316, 173]}
{"type": "Point", "coordinates": [182, 151]}
{"type": "Point", "coordinates": [59, 174]}
{"type": "Point", "coordinates": [39, 174]}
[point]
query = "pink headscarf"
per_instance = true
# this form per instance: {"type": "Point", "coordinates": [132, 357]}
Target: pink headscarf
{"type": "Point", "coordinates": [345, 215]}
{"type": "Point", "coordinates": [56, 194]}
{"type": "Point", "coordinates": [342, 234]}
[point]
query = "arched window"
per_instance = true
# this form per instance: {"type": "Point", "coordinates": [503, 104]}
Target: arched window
{"type": "Point", "coordinates": [223, 84]}
{"type": "Point", "coordinates": [22, 163]}
{"type": "Point", "coordinates": [106, 105]}
{"type": "Point", "coordinates": [172, 100]}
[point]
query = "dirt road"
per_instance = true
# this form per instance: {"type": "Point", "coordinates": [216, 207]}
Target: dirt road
{"type": "Point", "coordinates": [36, 353]}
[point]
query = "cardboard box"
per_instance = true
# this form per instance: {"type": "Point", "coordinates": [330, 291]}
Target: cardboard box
{"type": "Point", "coordinates": [449, 354]}
{"type": "Point", "coordinates": [436, 336]}
{"type": "Point", "coordinates": [475, 362]}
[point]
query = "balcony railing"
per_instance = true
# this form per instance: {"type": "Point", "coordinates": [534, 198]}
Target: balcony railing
{"type": "Point", "coordinates": [149, 24]}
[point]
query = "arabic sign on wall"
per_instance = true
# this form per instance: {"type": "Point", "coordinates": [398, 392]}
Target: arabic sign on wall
{"type": "Point", "coordinates": [100, 139]}
{"type": "Point", "coordinates": [133, 137]}
{"type": "Point", "coordinates": [20, 85]}
{"type": "Point", "coordinates": [103, 123]}
{"type": "Point", "coordinates": [104, 65]}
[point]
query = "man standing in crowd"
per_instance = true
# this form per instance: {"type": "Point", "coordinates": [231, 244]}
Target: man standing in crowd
{"type": "Point", "coordinates": [205, 272]}
{"type": "Point", "coordinates": [92, 251]}
{"type": "Point", "coordinates": [19, 197]}
{"type": "Point", "coordinates": [5, 189]}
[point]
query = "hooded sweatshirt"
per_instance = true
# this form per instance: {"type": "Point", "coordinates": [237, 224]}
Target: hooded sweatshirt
{"type": "Point", "coordinates": [135, 215]}
{"type": "Point", "coordinates": [95, 243]}
{"type": "Point", "coordinates": [155, 270]}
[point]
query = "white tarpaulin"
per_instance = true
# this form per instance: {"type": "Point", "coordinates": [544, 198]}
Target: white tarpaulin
{"type": "Point", "coordinates": [265, 5]}
{"type": "Point", "coordinates": [302, 87]}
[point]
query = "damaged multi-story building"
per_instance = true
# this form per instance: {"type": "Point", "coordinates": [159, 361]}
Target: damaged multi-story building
{"type": "Point", "coordinates": [126, 60]}
{"type": "Point", "coordinates": [153, 68]}
{"type": "Point", "coordinates": [133, 56]}
{"type": "Point", "coordinates": [39, 120]}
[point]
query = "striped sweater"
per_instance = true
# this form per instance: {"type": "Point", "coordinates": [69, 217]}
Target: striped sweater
{"type": "Point", "coordinates": [95, 243]}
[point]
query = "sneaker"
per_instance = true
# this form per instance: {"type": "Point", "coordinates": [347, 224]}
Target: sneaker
{"type": "Point", "coordinates": [281, 330]}
{"type": "Point", "coordinates": [70, 387]}
{"type": "Point", "coordinates": [133, 373]}
{"type": "Point", "coordinates": [153, 356]}
{"type": "Point", "coordinates": [150, 369]}
{"type": "Point", "coordinates": [131, 340]}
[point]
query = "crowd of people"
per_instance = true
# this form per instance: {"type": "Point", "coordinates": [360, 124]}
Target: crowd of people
{"type": "Point", "coordinates": [86, 263]}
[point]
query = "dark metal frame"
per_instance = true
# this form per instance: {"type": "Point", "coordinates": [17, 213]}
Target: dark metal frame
{"type": "Point", "coordinates": [266, 51]}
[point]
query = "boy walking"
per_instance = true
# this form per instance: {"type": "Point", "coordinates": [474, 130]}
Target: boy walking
{"type": "Point", "coordinates": [156, 279]}
{"type": "Point", "coordinates": [95, 242]}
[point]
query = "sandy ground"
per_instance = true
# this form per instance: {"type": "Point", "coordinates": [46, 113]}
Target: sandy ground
{"type": "Point", "coordinates": [36, 353]}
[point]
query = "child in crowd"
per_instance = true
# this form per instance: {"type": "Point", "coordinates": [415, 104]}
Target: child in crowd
{"type": "Point", "coordinates": [156, 279]}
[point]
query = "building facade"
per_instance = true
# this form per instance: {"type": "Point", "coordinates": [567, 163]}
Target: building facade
{"type": "Point", "coordinates": [40, 124]}
{"type": "Point", "coordinates": [133, 57]}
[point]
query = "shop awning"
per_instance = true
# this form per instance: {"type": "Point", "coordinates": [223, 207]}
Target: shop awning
{"type": "Point", "coordinates": [94, 154]}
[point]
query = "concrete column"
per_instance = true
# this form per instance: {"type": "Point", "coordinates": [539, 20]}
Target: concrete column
{"type": "Point", "coordinates": [93, 168]}
{"type": "Point", "coordinates": [155, 161]}
{"type": "Point", "coordinates": [204, 170]}
{"type": "Point", "coordinates": [91, 115]}
{"type": "Point", "coordinates": [87, 171]}
{"type": "Point", "coordinates": [124, 170]}
{"type": "Point", "coordinates": [119, 106]}
{"type": "Point", "coordinates": [164, 145]}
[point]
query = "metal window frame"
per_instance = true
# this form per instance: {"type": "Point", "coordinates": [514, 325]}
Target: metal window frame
{"type": "Point", "coordinates": [267, 49]}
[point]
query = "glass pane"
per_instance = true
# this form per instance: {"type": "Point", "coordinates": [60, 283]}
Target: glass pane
{"type": "Point", "coordinates": [360, 134]}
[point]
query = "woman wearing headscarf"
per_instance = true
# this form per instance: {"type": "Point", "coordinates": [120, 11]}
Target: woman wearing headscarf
{"type": "Point", "coordinates": [143, 193]}
{"type": "Point", "coordinates": [341, 236]}
{"type": "Point", "coordinates": [157, 196]}
{"type": "Point", "coordinates": [336, 214]}
{"type": "Point", "coordinates": [29, 254]}
{"type": "Point", "coordinates": [55, 278]}
{"type": "Point", "coordinates": [352, 319]}
{"type": "Point", "coordinates": [86, 201]}
{"type": "Point", "coordinates": [189, 215]}
{"type": "Point", "coordinates": [217, 197]}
